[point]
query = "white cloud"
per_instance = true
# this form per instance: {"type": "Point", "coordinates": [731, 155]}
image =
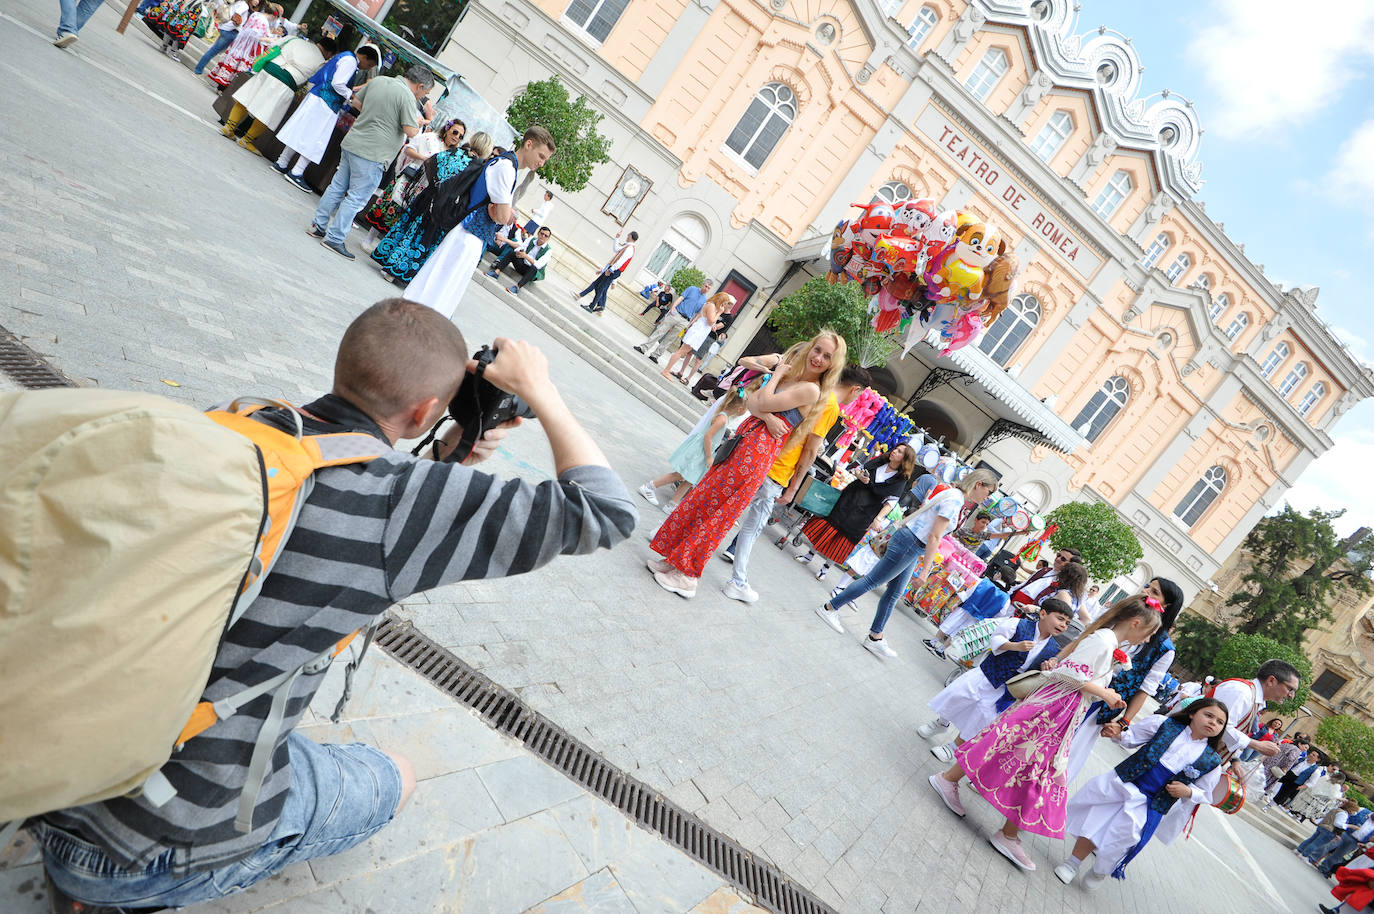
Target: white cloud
{"type": "Point", "coordinates": [1358, 345]}
{"type": "Point", "coordinates": [1339, 478]}
{"type": "Point", "coordinates": [1272, 64]}
{"type": "Point", "coordinates": [1351, 178]}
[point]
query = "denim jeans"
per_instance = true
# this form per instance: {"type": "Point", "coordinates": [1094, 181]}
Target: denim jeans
{"type": "Point", "coordinates": [599, 287]}
{"type": "Point", "coordinates": [223, 41]}
{"type": "Point", "coordinates": [751, 525]}
{"type": "Point", "coordinates": [340, 796]}
{"type": "Point", "coordinates": [1335, 853]}
{"type": "Point", "coordinates": [347, 194]}
{"type": "Point", "coordinates": [75, 14]}
{"type": "Point", "coordinates": [1315, 846]}
{"type": "Point", "coordinates": [903, 553]}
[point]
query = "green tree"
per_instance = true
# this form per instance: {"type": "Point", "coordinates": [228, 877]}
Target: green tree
{"type": "Point", "coordinates": [1273, 599]}
{"type": "Point", "coordinates": [1198, 639]}
{"type": "Point", "coordinates": [843, 308]}
{"type": "Point", "coordinates": [1351, 741]}
{"type": "Point", "coordinates": [573, 125]}
{"type": "Point", "coordinates": [1108, 546]}
{"type": "Point", "coordinates": [685, 278]}
{"type": "Point", "coordinates": [1242, 655]}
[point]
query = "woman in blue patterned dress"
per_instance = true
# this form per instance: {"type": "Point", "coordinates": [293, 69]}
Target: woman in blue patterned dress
{"type": "Point", "coordinates": [414, 237]}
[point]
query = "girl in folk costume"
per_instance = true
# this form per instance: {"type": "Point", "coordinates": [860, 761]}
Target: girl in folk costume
{"type": "Point", "coordinates": [835, 535]}
{"type": "Point", "coordinates": [692, 458]}
{"type": "Point", "coordinates": [1175, 768]}
{"type": "Point", "coordinates": [974, 700]}
{"type": "Point", "coordinates": [783, 409]}
{"type": "Point", "coordinates": [173, 21]}
{"type": "Point", "coordinates": [1149, 664]}
{"type": "Point", "coordinates": [914, 542]}
{"type": "Point", "coordinates": [393, 199]}
{"type": "Point", "coordinates": [1018, 762]}
{"type": "Point", "coordinates": [408, 243]}
{"type": "Point", "coordinates": [250, 44]}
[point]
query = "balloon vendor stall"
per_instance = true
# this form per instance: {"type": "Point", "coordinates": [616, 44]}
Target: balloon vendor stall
{"type": "Point", "coordinates": [925, 269]}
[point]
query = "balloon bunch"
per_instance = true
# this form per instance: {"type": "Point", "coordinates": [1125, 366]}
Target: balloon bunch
{"type": "Point", "coordinates": [858, 413]}
{"type": "Point", "coordinates": [925, 268]}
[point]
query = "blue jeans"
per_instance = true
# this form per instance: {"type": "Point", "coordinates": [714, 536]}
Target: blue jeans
{"type": "Point", "coordinates": [340, 796]}
{"type": "Point", "coordinates": [751, 525]}
{"type": "Point", "coordinates": [903, 553]}
{"type": "Point", "coordinates": [1315, 846]}
{"type": "Point", "coordinates": [75, 14]}
{"type": "Point", "coordinates": [599, 287]}
{"type": "Point", "coordinates": [347, 194]}
{"type": "Point", "coordinates": [1335, 853]}
{"type": "Point", "coordinates": [223, 41]}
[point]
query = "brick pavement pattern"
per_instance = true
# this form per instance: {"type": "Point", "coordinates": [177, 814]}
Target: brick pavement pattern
{"type": "Point", "coordinates": [142, 249]}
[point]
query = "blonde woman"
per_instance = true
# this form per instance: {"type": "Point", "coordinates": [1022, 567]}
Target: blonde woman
{"type": "Point", "coordinates": [699, 332]}
{"type": "Point", "coordinates": [915, 542]}
{"type": "Point", "coordinates": [782, 409]}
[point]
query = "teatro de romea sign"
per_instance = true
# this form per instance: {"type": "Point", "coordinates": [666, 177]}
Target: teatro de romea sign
{"type": "Point", "coordinates": [994, 181]}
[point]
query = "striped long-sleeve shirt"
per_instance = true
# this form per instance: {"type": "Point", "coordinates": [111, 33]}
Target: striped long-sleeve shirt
{"type": "Point", "coordinates": [368, 536]}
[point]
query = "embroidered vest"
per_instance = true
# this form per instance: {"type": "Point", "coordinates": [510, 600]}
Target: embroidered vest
{"type": "Point", "coordinates": [1128, 682]}
{"type": "Point", "coordinates": [998, 668]}
{"type": "Point", "coordinates": [1143, 761]}
{"type": "Point", "coordinates": [322, 82]}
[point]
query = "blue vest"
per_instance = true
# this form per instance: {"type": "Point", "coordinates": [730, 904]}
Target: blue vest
{"type": "Point", "coordinates": [1142, 767]}
{"type": "Point", "coordinates": [998, 668]}
{"type": "Point", "coordinates": [1128, 682]}
{"type": "Point", "coordinates": [322, 82]}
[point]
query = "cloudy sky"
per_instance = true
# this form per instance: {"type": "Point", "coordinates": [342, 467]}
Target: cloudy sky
{"type": "Point", "coordinates": [1285, 94]}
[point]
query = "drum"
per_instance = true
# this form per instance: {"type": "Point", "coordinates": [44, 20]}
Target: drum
{"type": "Point", "coordinates": [962, 472]}
{"type": "Point", "coordinates": [1230, 794]}
{"type": "Point", "coordinates": [1037, 523]}
{"type": "Point", "coordinates": [1007, 507]}
{"type": "Point", "coordinates": [1020, 521]}
{"type": "Point", "coordinates": [928, 456]}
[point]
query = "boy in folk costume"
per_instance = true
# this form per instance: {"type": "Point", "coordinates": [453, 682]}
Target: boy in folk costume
{"type": "Point", "coordinates": [307, 131]}
{"type": "Point", "coordinates": [1177, 765]}
{"type": "Point", "coordinates": [974, 700]}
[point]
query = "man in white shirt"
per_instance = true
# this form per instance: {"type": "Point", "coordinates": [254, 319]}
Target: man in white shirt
{"type": "Point", "coordinates": [1277, 680]}
{"type": "Point", "coordinates": [529, 259]}
{"type": "Point", "coordinates": [1038, 584]}
{"type": "Point", "coordinates": [621, 255]}
{"type": "Point", "coordinates": [540, 216]}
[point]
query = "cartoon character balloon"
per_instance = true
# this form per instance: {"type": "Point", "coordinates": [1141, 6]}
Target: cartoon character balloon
{"type": "Point", "coordinates": [999, 280]}
{"type": "Point", "coordinates": [958, 272]}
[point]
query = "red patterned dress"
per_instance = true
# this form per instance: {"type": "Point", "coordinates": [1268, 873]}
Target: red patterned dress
{"type": "Point", "coordinates": [692, 532]}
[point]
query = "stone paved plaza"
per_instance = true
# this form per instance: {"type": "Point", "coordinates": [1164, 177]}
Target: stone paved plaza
{"type": "Point", "coordinates": [140, 250]}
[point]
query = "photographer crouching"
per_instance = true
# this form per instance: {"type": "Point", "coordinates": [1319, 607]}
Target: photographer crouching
{"type": "Point", "coordinates": [369, 534]}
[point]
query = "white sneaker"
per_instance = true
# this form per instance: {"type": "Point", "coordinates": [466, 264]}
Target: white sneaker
{"type": "Point", "coordinates": [742, 592]}
{"type": "Point", "coordinates": [675, 581]}
{"type": "Point", "coordinates": [928, 729]}
{"type": "Point", "coordinates": [803, 559]}
{"type": "Point", "coordinates": [1065, 872]}
{"type": "Point", "coordinates": [944, 752]}
{"type": "Point", "coordinates": [879, 648]}
{"type": "Point", "coordinates": [658, 565]}
{"type": "Point", "coordinates": [647, 493]}
{"type": "Point", "coordinates": [1092, 880]}
{"type": "Point", "coordinates": [831, 618]}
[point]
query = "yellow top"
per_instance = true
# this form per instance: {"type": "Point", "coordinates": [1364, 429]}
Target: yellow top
{"type": "Point", "coordinates": [786, 464]}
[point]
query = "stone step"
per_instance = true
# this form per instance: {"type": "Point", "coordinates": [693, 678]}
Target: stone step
{"type": "Point", "coordinates": [583, 334]}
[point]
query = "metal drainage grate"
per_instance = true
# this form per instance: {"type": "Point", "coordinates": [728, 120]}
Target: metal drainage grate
{"type": "Point", "coordinates": [508, 714]}
{"type": "Point", "coordinates": [27, 368]}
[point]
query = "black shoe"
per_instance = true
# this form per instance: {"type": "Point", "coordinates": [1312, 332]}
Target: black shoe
{"type": "Point", "coordinates": [299, 182]}
{"type": "Point", "coordinates": [639, 349]}
{"type": "Point", "coordinates": [654, 359]}
{"type": "Point", "coordinates": [315, 231]}
{"type": "Point", "coordinates": [341, 250]}
{"type": "Point", "coordinates": [281, 169]}
{"type": "Point", "coordinates": [729, 556]}
{"type": "Point", "coordinates": [1325, 910]}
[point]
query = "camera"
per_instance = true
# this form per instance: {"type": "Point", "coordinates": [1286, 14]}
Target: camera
{"type": "Point", "coordinates": [480, 405]}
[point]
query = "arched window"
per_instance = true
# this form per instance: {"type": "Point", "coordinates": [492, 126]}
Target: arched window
{"type": "Point", "coordinates": [1204, 281]}
{"type": "Point", "coordinates": [1051, 137]}
{"type": "Point", "coordinates": [892, 192]}
{"type": "Point", "coordinates": [1201, 496]}
{"type": "Point", "coordinates": [1274, 360]}
{"type": "Point", "coordinates": [680, 247]}
{"type": "Point", "coordinates": [765, 121]}
{"type": "Point", "coordinates": [1180, 266]}
{"type": "Point", "coordinates": [1242, 320]}
{"type": "Point", "coordinates": [921, 27]}
{"type": "Point", "coordinates": [1219, 306]}
{"type": "Point", "coordinates": [1009, 331]}
{"type": "Point", "coordinates": [1110, 197]}
{"type": "Point", "coordinates": [987, 74]}
{"type": "Point", "coordinates": [596, 17]}
{"type": "Point", "coordinates": [1156, 250]}
{"type": "Point", "coordinates": [1035, 496]}
{"type": "Point", "coordinates": [1293, 379]}
{"type": "Point", "coordinates": [1311, 398]}
{"type": "Point", "coordinates": [1102, 408]}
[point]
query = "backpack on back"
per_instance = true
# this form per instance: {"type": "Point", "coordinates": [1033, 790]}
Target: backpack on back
{"type": "Point", "coordinates": [462, 194]}
{"type": "Point", "coordinates": [133, 532]}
